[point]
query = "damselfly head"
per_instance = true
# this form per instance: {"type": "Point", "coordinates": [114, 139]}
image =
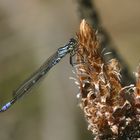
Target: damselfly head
{"type": "Point", "coordinates": [72, 44]}
{"type": "Point", "coordinates": [67, 48]}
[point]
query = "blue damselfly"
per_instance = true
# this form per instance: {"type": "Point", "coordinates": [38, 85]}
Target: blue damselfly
{"type": "Point", "coordinates": [27, 85]}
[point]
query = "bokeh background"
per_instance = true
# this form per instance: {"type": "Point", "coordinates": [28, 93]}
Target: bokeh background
{"type": "Point", "coordinates": [32, 30]}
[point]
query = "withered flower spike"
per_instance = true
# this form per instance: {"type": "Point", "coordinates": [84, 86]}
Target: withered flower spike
{"type": "Point", "coordinates": [110, 109]}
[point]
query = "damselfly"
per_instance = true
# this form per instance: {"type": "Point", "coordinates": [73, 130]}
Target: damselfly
{"type": "Point", "coordinates": [27, 85]}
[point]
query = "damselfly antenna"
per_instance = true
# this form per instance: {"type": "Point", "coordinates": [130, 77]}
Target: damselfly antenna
{"type": "Point", "coordinates": [27, 85]}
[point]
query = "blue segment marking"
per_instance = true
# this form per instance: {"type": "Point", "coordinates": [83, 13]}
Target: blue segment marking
{"type": "Point", "coordinates": [6, 106]}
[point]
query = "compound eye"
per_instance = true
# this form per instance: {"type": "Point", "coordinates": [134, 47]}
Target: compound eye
{"type": "Point", "coordinates": [72, 41]}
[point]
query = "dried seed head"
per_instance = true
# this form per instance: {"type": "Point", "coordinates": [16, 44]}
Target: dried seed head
{"type": "Point", "coordinates": [109, 108]}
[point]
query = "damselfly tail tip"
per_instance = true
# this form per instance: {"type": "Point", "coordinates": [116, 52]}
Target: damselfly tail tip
{"type": "Point", "coordinates": [2, 110]}
{"type": "Point", "coordinates": [6, 106]}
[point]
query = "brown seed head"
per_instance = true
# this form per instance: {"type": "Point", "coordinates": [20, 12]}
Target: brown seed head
{"type": "Point", "coordinates": [109, 108]}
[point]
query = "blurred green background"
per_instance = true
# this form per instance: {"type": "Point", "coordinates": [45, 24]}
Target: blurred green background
{"type": "Point", "coordinates": [32, 30]}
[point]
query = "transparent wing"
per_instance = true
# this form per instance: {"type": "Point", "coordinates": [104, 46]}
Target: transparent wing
{"type": "Point", "coordinates": [27, 85]}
